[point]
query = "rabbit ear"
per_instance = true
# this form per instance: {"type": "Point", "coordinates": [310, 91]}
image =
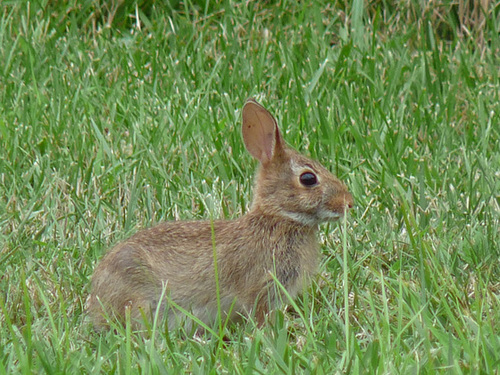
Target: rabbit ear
{"type": "Point", "coordinates": [260, 132]}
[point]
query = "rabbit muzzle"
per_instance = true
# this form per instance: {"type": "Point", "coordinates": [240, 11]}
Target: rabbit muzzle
{"type": "Point", "coordinates": [336, 208]}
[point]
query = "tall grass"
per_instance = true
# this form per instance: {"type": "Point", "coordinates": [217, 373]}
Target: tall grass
{"type": "Point", "coordinates": [114, 118]}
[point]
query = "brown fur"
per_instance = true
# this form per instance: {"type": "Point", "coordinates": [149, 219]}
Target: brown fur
{"type": "Point", "coordinates": [276, 237]}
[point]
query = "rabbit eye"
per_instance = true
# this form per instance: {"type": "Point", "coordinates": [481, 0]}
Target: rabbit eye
{"type": "Point", "coordinates": [308, 179]}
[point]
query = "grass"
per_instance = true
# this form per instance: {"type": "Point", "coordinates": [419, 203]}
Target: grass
{"type": "Point", "coordinates": [114, 120]}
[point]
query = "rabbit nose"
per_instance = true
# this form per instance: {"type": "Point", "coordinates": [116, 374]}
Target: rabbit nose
{"type": "Point", "coordinates": [349, 202]}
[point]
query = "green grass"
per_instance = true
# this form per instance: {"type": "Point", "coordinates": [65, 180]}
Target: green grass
{"type": "Point", "coordinates": [110, 123]}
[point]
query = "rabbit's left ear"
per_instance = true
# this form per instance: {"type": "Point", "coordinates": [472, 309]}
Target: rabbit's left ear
{"type": "Point", "coordinates": [260, 132]}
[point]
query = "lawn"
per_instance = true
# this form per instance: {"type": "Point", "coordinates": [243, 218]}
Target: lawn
{"type": "Point", "coordinates": [113, 119]}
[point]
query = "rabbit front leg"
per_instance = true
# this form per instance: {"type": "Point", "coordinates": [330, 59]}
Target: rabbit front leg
{"type": "Point", "coordinates": [270, 297]}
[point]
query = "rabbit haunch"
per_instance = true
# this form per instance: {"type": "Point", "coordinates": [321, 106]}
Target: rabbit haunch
{"type": "Point", "coordinates": [275, 239]}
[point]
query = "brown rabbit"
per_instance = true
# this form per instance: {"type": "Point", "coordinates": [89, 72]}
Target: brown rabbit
{"type": "Point", "coordinates": [276, 239]}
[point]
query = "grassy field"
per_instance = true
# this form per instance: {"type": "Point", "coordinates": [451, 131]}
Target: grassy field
{"type": "Point", "coordinates": [112, 120]}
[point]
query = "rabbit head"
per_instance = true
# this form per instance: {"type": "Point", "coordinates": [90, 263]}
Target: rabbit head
{"type": "Point", "coordinates": [289, 184]}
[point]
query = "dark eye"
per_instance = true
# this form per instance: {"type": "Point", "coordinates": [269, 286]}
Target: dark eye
{"type": "Point", "coordinates": [308, 179]}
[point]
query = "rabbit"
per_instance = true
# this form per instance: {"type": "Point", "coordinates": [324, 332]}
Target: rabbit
{"type": "Point", "coordinates": [275, 240]}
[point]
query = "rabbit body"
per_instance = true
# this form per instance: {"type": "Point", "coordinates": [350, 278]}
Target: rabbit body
{"type": "Point", "coordinates": [181, 255]}
{"type": "Point", "coordinates": [276, 239]}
